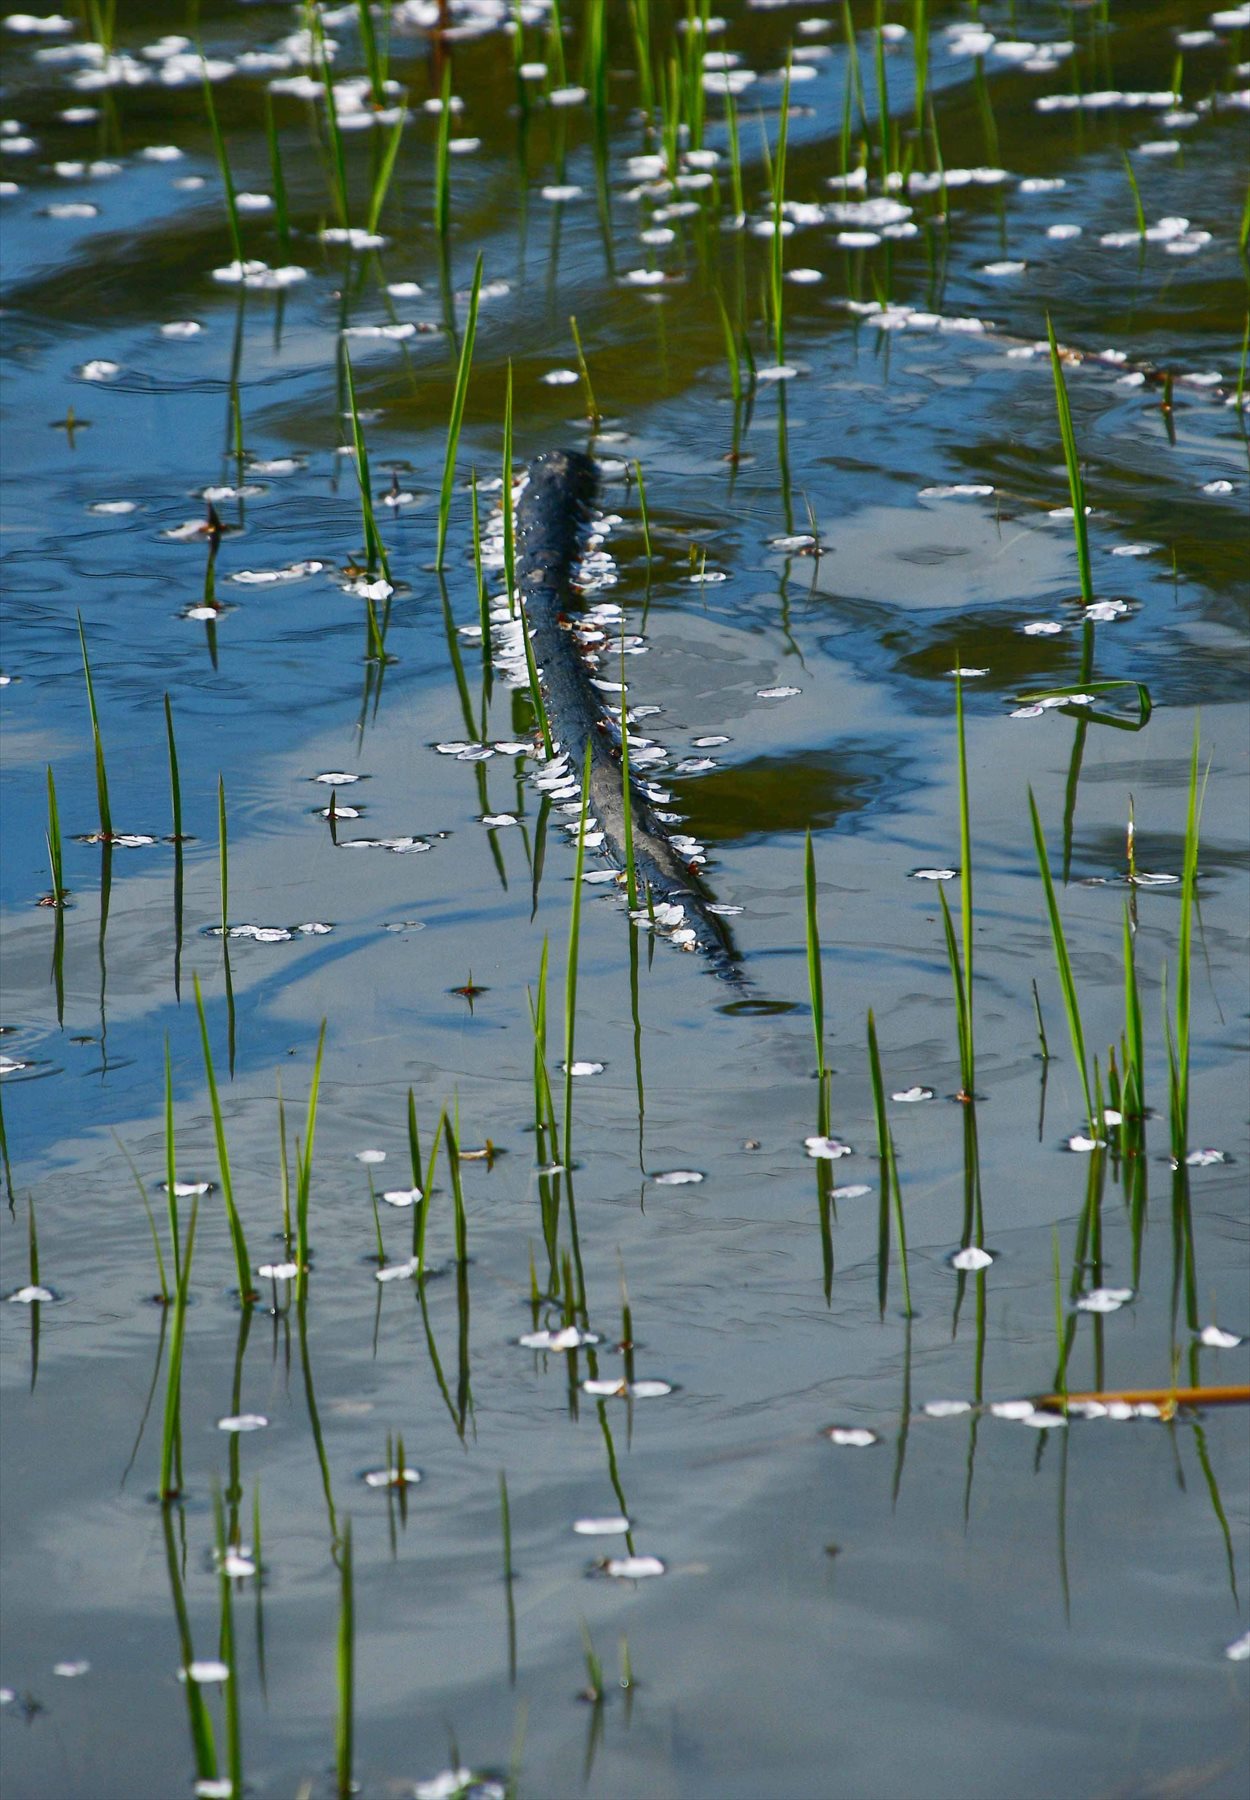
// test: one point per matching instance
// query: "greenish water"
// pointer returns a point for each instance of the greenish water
(969, 1605)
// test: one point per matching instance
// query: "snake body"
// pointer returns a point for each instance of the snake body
(553, 518)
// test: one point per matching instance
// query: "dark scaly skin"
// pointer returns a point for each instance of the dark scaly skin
(552, 518)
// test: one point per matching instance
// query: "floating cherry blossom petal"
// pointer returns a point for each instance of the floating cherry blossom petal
(402, 1196)
(237, 1564)
(946, 1409)
(391, 1478)
(280, 1271)
(1103, 1300)
(911, 1095)
(569, 1338)
(30, 1296)
(604, 1527)
(604, 1387)
(1081, 1145)
(1204, 1159)
(583, 1068)
(970, 1259)
(852, 1437)
(1215, 1338)
(243, 1422)
(354, 236)
(631, 1568)
(295, 571)
(69, 1671)
(460, 1784)
(677, 1177)
(400, 1271)
(776, 693)
(1239, 1649)
(826, 1149)
(933, 874)
(958, 491)
(1012, 1409)
(205, 1671)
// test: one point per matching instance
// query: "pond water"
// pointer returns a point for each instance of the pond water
(928, 1603)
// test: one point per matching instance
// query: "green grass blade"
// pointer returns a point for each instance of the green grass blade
(1145, 705)
(147, 1207)
(369, 49)
(592, 408)
(427, 1200)
(1138, 209)
(570, 980)
(505, 499)
(345, 1667)
(386, 169)
(230, 1695)
(241, 1262)
(175, 785)
(960, 987)
(920, 57)
(732, 356)
(777, 257)
(965, 886)
(171, 1164)
(56, 860)
(223, 165)
(1076, 481)
(459, 1221)
(891, 1192)
(414, 1140)
(1067, 981)
(375, 549)
(277, 178)
(223, 864)
(815, 975)
(642, 508)
(101, 774)
(338, 160)
(442, 160)
(1184, 954)
(457, 414)
(171, 1431)
(304, 1157)
(1134, 1035)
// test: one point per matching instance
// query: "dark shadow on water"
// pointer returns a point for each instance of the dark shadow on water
(811, 790)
